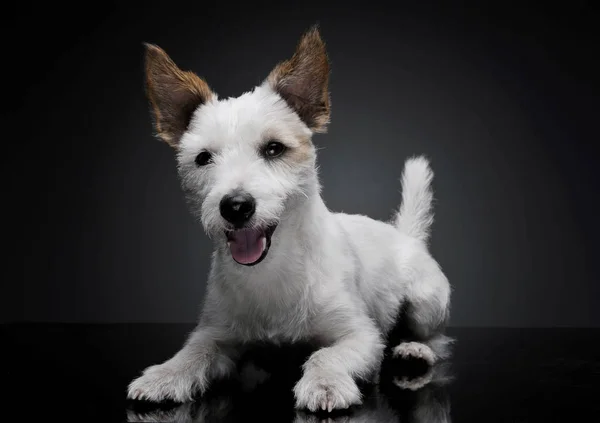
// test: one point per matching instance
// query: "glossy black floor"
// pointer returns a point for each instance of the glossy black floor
(80, 373)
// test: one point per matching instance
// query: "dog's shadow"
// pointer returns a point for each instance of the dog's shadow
(262, 390)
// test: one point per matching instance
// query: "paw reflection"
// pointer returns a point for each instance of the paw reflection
(272, 401)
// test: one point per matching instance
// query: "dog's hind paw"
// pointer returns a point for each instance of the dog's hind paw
(417, 350)
(326, 392)
(162, 383)
(414, 365)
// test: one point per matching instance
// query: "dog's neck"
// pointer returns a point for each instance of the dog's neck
(303, 222)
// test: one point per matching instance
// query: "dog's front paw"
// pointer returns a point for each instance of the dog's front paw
(163, 382)
(326, 391)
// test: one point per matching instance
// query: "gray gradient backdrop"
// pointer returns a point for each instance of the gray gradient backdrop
(503, 100)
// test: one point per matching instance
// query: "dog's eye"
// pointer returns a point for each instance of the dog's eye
(274, 149)
(203, 158)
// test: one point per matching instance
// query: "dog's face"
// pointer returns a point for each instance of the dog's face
(244, 162)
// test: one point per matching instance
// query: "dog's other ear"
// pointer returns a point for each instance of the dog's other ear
(302, 81)
(173, 94)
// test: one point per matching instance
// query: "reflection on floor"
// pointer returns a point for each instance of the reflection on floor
(259, 396)
(81, 372)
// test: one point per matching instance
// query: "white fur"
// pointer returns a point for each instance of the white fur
(415, 217)
(335, 278)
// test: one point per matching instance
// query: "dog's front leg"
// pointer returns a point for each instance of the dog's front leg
(328, 381)
(205, 356)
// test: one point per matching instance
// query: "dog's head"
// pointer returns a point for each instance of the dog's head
(244, 162)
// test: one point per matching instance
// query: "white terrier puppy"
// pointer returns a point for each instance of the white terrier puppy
(284, 267)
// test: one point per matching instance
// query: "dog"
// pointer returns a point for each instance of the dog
(285, 268)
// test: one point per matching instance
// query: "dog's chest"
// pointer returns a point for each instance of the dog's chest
(268, 311)
(275, 320)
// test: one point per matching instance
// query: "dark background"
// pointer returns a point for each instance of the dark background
(503, 99)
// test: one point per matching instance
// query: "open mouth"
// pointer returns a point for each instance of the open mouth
(249, 246)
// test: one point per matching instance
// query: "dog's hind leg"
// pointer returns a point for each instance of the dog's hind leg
(417, 341)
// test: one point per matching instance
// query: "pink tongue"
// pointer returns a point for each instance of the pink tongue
(247, 245)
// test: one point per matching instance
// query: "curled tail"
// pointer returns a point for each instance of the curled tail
(415, 215)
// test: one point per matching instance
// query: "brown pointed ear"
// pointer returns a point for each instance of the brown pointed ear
(302, 81)
(173, 94)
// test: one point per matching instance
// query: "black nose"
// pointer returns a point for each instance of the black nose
(237, 208)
